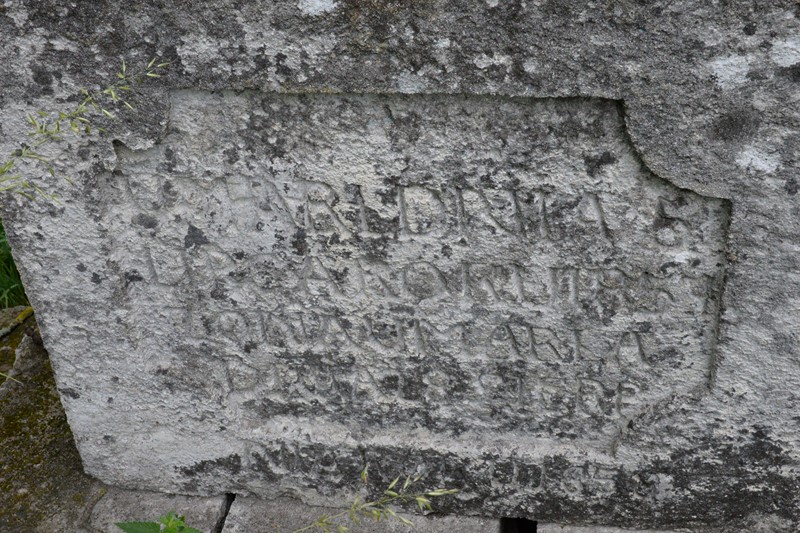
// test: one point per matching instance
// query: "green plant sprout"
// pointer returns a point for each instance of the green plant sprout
(48, 127)
(21, 318)
(12, 293)
(169, 523)
(360, 510)
(381, 509)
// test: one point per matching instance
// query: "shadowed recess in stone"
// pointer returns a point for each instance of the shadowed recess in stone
(401, 269)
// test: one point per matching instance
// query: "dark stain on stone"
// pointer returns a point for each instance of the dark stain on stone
(169, 163)
(262, 466)
(595, 163)
(219, 292)
(299, 242)
(194, 237)
(170, 194)
(96, 278)
(231, 463)
(43, 78)
(791, 186)
(791, 73)
(231, 155)
(280, 65)
(144, 220)
(722, 481)
(81, 267)
(749, 28)
(70, 393)
(249, 346)
(390, 384)
(132, 276)
(735, 125)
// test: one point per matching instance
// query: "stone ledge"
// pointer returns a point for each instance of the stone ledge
(119, 505)
(248, 515)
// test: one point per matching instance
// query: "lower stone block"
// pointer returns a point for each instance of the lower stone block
(248, 515)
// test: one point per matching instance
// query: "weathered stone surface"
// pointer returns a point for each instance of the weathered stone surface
(550, 256)
(535, 282)
(42, 485)
(247, 515)
(555, 528)
(118, 505)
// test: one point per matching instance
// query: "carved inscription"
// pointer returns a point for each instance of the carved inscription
(453, 264)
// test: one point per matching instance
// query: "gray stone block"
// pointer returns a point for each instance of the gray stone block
(555, 528)
(545, 252)
(248, 515)
(119, 505)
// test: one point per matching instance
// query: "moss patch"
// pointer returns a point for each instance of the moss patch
(41, 476)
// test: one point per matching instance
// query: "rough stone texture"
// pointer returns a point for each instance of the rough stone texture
(42, 484)
(614, 343)
(247, 515)
(205, 514)
(43, 488)
(555, 528)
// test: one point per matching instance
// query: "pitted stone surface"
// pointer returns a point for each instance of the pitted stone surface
(614, 342)
(247, 515)
(468, 267)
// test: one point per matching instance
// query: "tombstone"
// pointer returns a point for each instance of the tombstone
(539, 251)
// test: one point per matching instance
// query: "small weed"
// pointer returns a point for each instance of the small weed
(12, 292)
(51, 126)
(383, 508)
(169, 523)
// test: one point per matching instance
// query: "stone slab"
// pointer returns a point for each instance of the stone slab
(555, 528)
(120, 505)
(266, 259)
(273, 516)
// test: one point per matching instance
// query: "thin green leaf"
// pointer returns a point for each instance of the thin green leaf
(441, 492)
(139, 527)
(405, 521)
(423, 502)
(6, 376)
